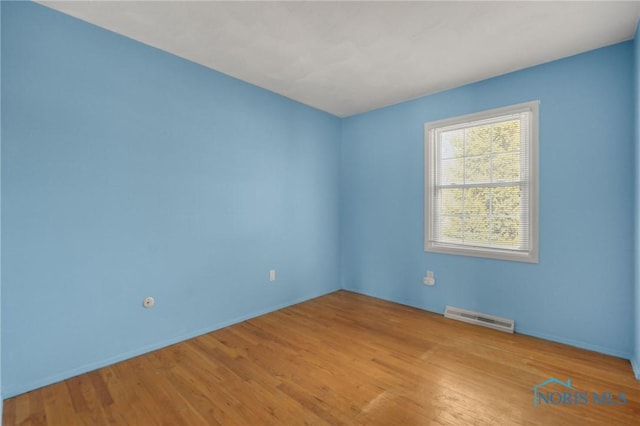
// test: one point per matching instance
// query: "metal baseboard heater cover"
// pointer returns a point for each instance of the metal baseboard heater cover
(497, 323)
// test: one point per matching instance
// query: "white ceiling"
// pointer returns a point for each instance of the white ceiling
(350, 57)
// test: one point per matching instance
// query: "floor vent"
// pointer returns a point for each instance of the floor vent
(497, 323)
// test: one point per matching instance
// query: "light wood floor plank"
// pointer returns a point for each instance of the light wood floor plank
(339, 359)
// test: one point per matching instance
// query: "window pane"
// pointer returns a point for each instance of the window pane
(506, 136)
(476, 230)
(451, 229)
(506, 167)
(477, 201)
(478, 140)
(506, 201)
(451, 201)
(452, 171)
(477, 169)
(505, 232)
(452, 144)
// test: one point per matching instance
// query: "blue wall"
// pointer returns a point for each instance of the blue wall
(128, 172)
(581, 291)
(635, 360)
(1, 400)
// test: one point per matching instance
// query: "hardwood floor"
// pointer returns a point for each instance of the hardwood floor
(344, 359)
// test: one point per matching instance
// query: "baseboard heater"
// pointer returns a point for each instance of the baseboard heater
(497, 323)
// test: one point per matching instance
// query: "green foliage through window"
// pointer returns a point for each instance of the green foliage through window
(482, 154)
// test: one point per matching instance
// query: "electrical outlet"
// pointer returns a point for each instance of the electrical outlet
(272, 275)
(429, 279)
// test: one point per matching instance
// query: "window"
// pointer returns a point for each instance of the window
(481, 184)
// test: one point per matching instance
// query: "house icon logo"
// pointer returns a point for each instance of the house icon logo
(569, 395)
(536, 388)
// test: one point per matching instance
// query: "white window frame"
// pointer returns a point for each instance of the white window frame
(530, 183)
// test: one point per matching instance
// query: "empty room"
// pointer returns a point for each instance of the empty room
(288, 213)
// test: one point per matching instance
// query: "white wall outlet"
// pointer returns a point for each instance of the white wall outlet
(429, 279)
(148, 302)
(272, 275)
